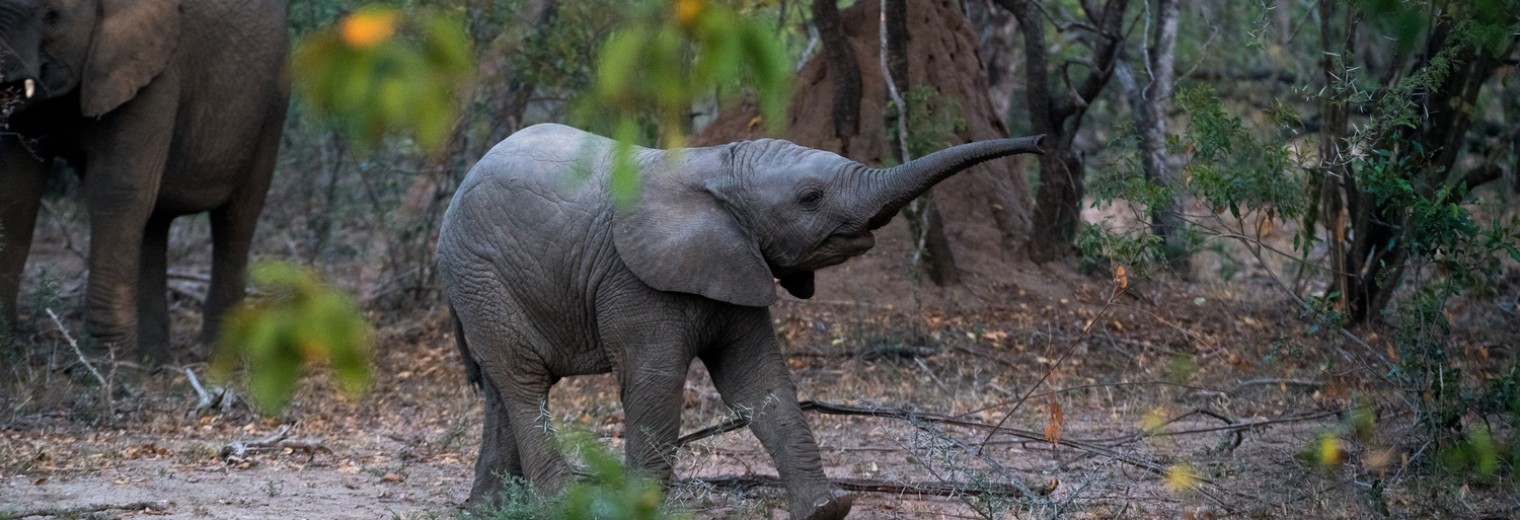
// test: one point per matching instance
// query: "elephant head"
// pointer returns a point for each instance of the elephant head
(724, 221)
(105, 49)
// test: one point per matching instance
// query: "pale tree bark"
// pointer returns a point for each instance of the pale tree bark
(1057, 110)
(932, 251)
(1149, 102)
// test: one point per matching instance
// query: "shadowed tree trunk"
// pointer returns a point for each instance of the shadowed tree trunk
(1370, 236)
(840, 61)
(1057, 111)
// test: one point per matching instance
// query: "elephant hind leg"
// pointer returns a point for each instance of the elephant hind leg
(499, 459)
(153, 288)
(233, 224)
(516, 383)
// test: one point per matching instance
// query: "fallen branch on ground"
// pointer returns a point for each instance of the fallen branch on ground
(938, 489)
(71, 512)
(1279, 382)
(237, 451)
(1090, 447)
(218, 397)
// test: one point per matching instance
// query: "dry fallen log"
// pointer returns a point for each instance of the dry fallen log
(74, 512)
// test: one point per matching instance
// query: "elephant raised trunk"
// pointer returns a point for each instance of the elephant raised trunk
(892, 188)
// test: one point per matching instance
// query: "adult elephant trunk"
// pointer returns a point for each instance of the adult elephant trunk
(885, 191)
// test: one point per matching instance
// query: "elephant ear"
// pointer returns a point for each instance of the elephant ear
(680, 237)
(134, 40)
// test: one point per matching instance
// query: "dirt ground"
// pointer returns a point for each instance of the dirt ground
(406, 449)
(1169, 400)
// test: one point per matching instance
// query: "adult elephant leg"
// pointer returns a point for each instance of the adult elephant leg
(751, 375)
(231, 239)
(153, 289)
(23, 178)
(232, 227)
(124, 165)
(498, 459)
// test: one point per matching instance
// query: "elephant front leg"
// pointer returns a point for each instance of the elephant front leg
(23, 178)
(652, 397)
(116, 234)
(124, 165)
(752, 377)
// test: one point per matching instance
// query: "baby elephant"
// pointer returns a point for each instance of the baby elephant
(547, 276)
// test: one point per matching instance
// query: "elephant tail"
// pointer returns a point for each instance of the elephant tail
(471, 368)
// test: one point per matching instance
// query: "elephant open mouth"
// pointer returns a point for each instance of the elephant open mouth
(836, 249)
(13, 96)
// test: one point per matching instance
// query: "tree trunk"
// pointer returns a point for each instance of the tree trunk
(1149, 103)
(1058, 207)
(840, 61)
(1058, 212)
(932, 248)
(1369, 235)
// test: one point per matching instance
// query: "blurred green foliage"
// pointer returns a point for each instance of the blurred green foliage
(376, 71)
(294, 321)
(608, 490)
(669, 56)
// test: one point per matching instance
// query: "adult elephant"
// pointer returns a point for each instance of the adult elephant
(167, 108)
(547, 277)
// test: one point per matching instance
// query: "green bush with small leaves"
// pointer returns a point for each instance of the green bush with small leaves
(294, 321)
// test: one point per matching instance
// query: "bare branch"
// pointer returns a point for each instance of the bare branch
(939, 489)
(105, 385)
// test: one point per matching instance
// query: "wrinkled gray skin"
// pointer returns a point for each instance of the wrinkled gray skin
(168, 108)
(547, 279)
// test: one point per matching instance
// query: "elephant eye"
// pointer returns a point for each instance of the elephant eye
(50, 17)
(810, 199)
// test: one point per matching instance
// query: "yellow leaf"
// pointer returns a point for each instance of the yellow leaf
(1329, 450)
(1121, 279)
(1180, 477)
(367, 28)
(1153, 420)
(688, 11)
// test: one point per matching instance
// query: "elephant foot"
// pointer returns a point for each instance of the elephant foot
(834, 508)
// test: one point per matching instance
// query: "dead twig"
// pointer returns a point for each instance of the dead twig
(237, 452)
(218, 397)
(1279, 382)
(105, 385)
(71, 512)
(855, 485)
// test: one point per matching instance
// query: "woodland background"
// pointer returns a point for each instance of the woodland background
(1267, 267)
